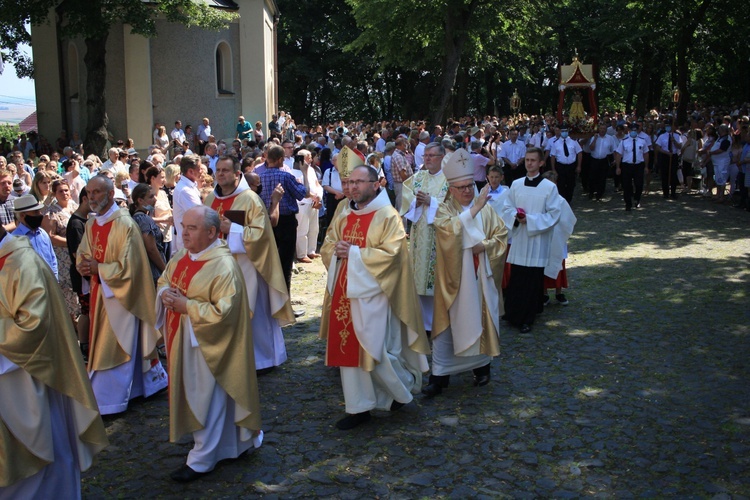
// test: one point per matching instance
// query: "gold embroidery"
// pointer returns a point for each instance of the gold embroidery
(343, 312)
(354, 235)
(98, 248)
(181, 281)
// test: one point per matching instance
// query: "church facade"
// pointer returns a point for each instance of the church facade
(181, 74)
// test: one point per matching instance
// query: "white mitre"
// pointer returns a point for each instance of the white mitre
(459, 167)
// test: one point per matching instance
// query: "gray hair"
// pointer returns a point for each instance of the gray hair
(212, 219)
(389, 147)
(435, 145)
(424, 135)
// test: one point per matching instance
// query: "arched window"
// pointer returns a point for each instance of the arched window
(224, 79)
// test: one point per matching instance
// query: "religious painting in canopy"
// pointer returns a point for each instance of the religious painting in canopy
(579, 79)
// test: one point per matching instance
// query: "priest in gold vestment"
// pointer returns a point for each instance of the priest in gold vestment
(371, 317)
(123, 363)
(471, 244)
(202, 308)
(422, 194)
(253, 245)
(50, 428)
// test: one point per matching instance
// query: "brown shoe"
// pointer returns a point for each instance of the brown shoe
(305, 260)
(313, 255)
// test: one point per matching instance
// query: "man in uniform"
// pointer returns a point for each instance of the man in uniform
(371, 317)
(254, 247)
(566, 156)
(469, 272)
(50, 428)
(202, 308)
(123, 363)
(631, 158)
(422, 194)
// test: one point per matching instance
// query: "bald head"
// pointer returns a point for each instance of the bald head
(101, 191)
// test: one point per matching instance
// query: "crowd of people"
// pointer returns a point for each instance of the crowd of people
(434, 238)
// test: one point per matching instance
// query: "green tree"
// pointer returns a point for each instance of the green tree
(92, 20)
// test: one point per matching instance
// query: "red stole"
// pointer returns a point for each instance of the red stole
(343, 346)
(99, 241)
(183, 274)
(221, 206)
(2, 261)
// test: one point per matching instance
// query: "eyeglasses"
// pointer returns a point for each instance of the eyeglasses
(467, 187)
(431, 156)
(359, 183)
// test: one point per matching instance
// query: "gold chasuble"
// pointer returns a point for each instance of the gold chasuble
(343, 346)
(36, 334)
(448, 233)
(219, 315)
(260, 246)
(422, 246)
(384, 254)
(117, 246)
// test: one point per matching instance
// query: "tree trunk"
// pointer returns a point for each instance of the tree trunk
(456, 18)
(644, 81)
(631, 90)
(96, 95)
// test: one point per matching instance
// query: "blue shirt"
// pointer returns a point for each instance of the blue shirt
(41, 243)
(293, 190)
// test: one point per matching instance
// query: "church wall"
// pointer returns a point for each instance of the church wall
(183, 69)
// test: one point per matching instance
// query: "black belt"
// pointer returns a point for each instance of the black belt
(566, 164)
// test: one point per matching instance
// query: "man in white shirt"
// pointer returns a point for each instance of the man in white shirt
(177, 135)
(288, 154)
(424, 138)
(513, 153)
(186, 193)
(668, 146)
(212, 151)
(204, 131)
(602, 146)
(113, 164)
(566, 156)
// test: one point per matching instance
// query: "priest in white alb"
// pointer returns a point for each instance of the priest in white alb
(250, 239)
(371, 316)
(471, 243)
(50, 428)
(422, 194)
(123, 363)
(202, 308)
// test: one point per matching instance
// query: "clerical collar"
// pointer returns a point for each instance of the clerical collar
(196, 256)
(533, 181)
(102, 219)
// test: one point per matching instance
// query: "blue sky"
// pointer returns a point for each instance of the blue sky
(13, 89)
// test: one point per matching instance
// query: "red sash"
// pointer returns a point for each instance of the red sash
(2, 261)
(183, 274)
(99, 241)
(343, 346)
(222, 206)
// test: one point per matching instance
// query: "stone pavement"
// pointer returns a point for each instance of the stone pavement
(639, 388)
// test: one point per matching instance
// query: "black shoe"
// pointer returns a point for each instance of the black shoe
(628, 209)
(395, 406)
(353, 420)
(299, 312)
(435, 385)
(561, 299)
(264, 371)
(638, 204)
(525, 328)
(482, 375)
(185, 474)
(674, 196)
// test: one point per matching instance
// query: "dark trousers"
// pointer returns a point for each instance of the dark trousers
(285, 234)
(668, 171)
(586, 172)
(566, 180)
(525, 294)
(598, 177)
(632, 182)
(511, 174)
